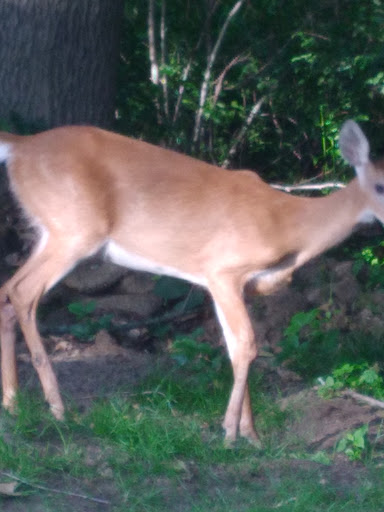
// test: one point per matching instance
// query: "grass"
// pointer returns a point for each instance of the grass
(161, 449)
(161, 463)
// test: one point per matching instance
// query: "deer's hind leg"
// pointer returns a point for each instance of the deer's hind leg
(19, 298)
(8, 351)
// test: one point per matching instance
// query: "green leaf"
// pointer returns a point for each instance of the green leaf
(82, 309)
(369, 376)
(169, 288)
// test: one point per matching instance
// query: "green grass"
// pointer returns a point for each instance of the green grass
(161, 449)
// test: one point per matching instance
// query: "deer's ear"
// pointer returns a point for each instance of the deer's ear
(354, 145)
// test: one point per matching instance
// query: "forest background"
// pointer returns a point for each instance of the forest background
(264, 85)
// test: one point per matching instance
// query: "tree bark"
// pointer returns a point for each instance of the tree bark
(58, 61)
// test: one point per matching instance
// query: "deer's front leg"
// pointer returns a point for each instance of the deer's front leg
(239, 337)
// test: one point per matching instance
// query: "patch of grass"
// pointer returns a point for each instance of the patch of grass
(151, 435)
(161, 449)
(34, 435)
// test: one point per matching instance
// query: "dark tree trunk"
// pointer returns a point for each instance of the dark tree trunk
(58, 61)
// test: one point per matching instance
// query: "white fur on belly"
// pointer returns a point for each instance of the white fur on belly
(120, 256)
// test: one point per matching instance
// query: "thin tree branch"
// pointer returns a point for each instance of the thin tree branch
(163, 78)
(239, 138)
(56, 491)
(363, 398)
(208, 71)
(152, 54)
(220, 79)
(152, 44)
(320, 186)
(188, 67)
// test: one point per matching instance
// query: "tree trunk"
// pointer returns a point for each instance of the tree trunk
(58, 62)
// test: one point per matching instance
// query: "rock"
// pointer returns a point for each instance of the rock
(377, 298)
(136, 282)
(317, 296)
(346, 291)
(128, 304)
(93, 276)
(343, 269)
(105, 345)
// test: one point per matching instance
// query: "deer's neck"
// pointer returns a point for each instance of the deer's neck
(328, 220)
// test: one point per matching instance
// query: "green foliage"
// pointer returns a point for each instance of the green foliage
(313, 347)
(180, 294)
(358, 376)
(314, 68)
(370, 257)
(204, 369)
(86, 326)
(82, 310)
(354, 444)
(307, 346)
(200, 357)
(169, 288)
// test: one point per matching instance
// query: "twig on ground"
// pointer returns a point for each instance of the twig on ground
(53, 490)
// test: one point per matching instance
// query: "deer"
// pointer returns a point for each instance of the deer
(86, 190)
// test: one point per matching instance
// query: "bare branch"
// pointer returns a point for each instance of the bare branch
(317, 36)
(363, 398)
(208, 70)
(163, 78)
(188, 67)
(53, 490)
(151, 42)
(152, 55)
(220, 79)
(254, 111)
(319, 186)
(181, 90)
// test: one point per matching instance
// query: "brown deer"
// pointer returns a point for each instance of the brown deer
(148, 208)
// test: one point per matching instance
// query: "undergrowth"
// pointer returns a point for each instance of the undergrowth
(312, 347)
